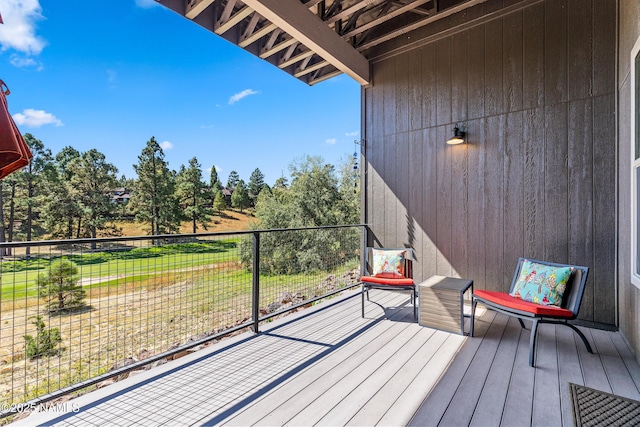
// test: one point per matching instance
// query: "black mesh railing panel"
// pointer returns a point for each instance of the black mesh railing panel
(76, 313)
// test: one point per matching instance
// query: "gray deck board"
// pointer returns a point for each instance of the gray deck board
(492, 399)
(461, 409)
(621, 382)
(546, 392)
(329, 366)
(421, 366)
(593, 372)
(519, 403)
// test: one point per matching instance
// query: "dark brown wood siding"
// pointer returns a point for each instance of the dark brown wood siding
(629, 295)
(534, 88)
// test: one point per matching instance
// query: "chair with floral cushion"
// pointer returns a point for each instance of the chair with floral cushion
(542, 292)
(391, 270)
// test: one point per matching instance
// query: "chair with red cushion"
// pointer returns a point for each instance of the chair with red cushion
(390, 269)
(505, 303)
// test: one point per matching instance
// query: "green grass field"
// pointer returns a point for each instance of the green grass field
(19, 277)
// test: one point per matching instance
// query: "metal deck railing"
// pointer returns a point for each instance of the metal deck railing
(79, 314)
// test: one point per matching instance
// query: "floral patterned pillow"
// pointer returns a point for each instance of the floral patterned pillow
(542, 284)
(388, 263)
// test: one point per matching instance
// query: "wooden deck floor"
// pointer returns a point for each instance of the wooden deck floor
(328, 366)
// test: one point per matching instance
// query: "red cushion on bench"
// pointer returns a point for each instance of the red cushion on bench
(386, 281)
(506, 300)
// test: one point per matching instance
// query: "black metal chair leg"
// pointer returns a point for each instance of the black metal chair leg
(532, 341)
(581, 335)
(362, 297)
(473, 316)
(521, 323)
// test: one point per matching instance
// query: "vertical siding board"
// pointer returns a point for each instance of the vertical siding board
(429, 85)
(604, 37)
(533, 58)
(475, 65)
(556, 184)
(375, 150)
(459, 209)
(494, 100)
(459, 76)
(388, 73)
(580, 224)
(367, 170)
(555, 49)
(444, 202)
(534, 181)
(390, 199)
(443, 84)
(513, 58)
(402, 93)
(579, 49)
(415, 89)
(494, 201)
(377, 109)
(604, 199)
(377, 183)
(401, 189)
(416, 172)
(476, 160)
(513, 194)
(430, 202)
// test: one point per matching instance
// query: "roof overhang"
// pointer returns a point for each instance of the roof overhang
(314, 40)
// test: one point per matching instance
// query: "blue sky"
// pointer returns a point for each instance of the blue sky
(111, 74)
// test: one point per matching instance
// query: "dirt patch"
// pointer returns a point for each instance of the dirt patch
(231, 220)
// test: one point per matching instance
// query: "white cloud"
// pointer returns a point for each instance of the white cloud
(18, 31)
(23, 62)
(35, 118)
(331, 141)
(146, 4)
(356, 133)
(238, 96)
(166, 145)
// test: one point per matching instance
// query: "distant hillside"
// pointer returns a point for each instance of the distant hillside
(232, 221)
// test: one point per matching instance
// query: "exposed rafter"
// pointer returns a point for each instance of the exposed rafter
(294, 18)
(314, 40)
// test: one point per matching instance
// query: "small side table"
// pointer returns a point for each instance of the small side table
(442, 303)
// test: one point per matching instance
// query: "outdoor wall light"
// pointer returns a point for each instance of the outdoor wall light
(458, 136)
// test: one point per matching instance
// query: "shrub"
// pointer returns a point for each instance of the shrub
(46, 342)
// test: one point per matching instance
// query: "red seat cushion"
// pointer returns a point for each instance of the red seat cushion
(506, 300)
(386, 281)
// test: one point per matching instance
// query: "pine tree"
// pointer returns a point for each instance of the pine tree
(233, 179)
(30, 186)
(219, 203)
(240, 197)
(256, 183)
(91, 181)
(191, 193)
(59, 285)
(214, 181)
(153, 199)
(45, 343)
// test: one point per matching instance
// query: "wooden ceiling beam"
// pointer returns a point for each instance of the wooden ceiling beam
(295, 18)
(246, 41)
(197, 7)
(223, 27)
(351, 10)
(385, 17)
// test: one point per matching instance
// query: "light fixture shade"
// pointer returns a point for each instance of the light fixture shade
(458, 137)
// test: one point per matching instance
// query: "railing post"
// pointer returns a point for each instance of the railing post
(255, 282)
